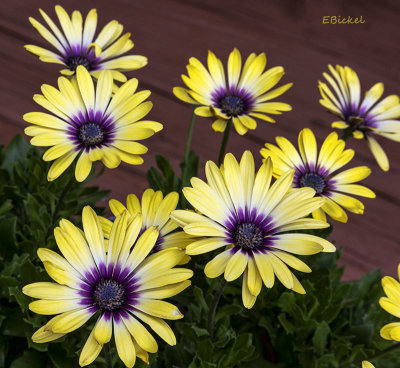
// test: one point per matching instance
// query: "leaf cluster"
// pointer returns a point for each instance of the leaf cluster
(30, 209)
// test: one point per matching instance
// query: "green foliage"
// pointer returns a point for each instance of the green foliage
(336, 324)
(30, 209)
(165, 179)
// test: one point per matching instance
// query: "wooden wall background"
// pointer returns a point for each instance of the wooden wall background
(291, 32)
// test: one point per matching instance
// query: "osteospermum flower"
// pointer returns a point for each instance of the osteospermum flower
(391, 304)
(155, 211)
(320, 172)
(244, 94)
(249, 218)
(75, 45)
(123, 287)
(90, 123)
(365, 118)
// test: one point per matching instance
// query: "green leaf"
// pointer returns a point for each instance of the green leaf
(31, 359)
(57, 356)
(22, 300)
(16, 151)
(228, 310)
(288, 326)
(320, 338)
(200, 332)
(7, 236)
(199, 297)
(155, 179)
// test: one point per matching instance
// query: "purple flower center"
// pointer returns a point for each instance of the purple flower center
(91, 134)
(108, 295)
(248, 236)
(232, 105)
(314, 181)
(74, 61)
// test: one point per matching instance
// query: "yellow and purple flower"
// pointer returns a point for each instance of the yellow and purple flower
(243, 95)
(91, 123)
(364, 119)
(75, 45)
(319, 171)
(124, 286)
(254, 223)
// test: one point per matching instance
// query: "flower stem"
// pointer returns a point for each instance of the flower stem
(187, 149)
(224, 142)
(66, 189)
(385, 351)
(347, 133)
(213, 307)
(108, 355)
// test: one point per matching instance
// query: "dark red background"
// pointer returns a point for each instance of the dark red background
(291, 33)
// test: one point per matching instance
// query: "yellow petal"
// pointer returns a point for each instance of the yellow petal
(140, 333)
(70, 321)
(217, 265)
(90, 351)
(159, 326)
(265, 269)
(159, 308)
(379, 153)
(103, 329)
(205, 245)
(125, 347)
(43, 335)
(236, 266)
(247, 297)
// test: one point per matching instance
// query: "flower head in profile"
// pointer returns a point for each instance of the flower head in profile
(155, 210)
(124, 288)
(391, 304)
(249, 219)
(241, 94)
(319, 171)
(363, 118)
(90, 123)
(75, 45)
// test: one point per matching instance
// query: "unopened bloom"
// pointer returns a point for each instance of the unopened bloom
(155, 210)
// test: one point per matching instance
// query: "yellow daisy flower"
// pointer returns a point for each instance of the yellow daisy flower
(391, 304)
(91, 123)
(366, 364)
(363, 119)
(242, 96)
(319, 171)
(75, 45)
(156, 212)
(124, 286)
(250, 219)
